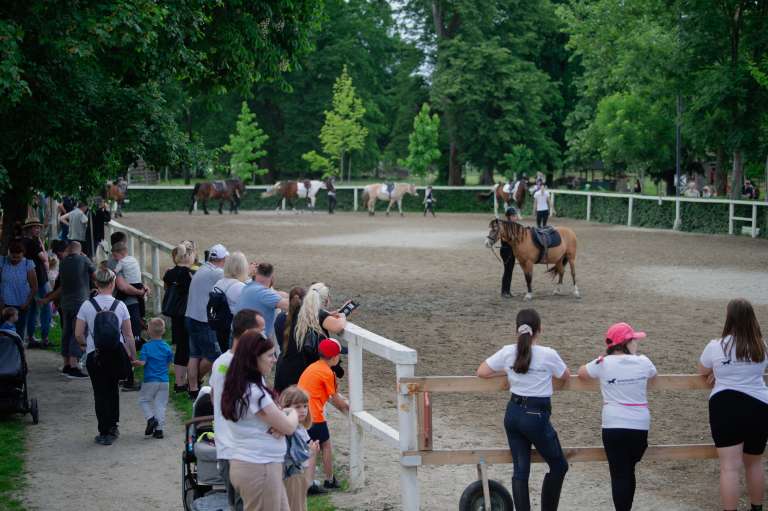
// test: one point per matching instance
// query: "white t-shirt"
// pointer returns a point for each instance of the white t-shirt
(250, 440)
(128, 268)
(232, 289)
(623, 382)
(541, 197)
(224, 441)
(730, 374)
(88, 314)
(537, 382)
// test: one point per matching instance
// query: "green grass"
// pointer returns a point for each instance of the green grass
(11, 463)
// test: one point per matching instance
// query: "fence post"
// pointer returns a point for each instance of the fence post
(354, 199)
(130, 244)
(282, 206)
(356, 462)
(730, 218)
(406, 414)
(157, 298)
(629, 213)
(589, 207)
(142, 255)
(678, 220)
(754, 220)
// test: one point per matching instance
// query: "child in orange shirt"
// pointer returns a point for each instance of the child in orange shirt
(319, 382)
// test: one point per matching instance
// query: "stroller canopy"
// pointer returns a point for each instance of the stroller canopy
(11, 354)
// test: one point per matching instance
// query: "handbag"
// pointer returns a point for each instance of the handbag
(174, 302)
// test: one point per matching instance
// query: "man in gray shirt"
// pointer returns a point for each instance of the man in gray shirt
(203, 346)
(77, 220)
(75, 273)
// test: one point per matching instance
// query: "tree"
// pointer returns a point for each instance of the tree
(84, 84)
(245, 146)
(342, 131)
(423, 148)
(518, 161)
(319, 163)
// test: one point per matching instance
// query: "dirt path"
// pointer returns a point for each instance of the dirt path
(66, 470)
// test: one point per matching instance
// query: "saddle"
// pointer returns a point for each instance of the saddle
(219, 186)
(545, 238)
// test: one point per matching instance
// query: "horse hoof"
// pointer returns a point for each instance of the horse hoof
(528, 297)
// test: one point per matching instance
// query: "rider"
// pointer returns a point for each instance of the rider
(329, 184)
(507, 256)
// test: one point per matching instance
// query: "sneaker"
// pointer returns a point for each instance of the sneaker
(333, 484)
(65, 370)
(131, 388)
(316, 489)
(151, 426)
(158, 433)
(103, 440)
(76, 374)
(114, 432)
(180, 389)
(506, 295)
(193, 394)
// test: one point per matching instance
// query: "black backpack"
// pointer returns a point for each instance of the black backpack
(106, 327)
(219, 314)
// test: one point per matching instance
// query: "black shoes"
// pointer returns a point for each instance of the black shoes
(332, 484)
(179, 389)
(520, 495)
(158, 433)
(193, 394)
(114, 432)
(76, 374)
(151, 426)
(550, 492)
(316, 490)
(131, 387)
(103, 440)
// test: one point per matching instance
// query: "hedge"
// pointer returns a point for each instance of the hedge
(696, 216)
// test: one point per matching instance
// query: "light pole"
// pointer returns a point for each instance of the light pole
(678, 123)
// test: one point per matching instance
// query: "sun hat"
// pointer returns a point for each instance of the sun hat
(218, 251)
(330, 347)
(620, 333)
(31, 222)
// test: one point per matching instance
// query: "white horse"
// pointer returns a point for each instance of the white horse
(290, 190)
(380, 191)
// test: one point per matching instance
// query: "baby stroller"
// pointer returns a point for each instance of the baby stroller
(202, 487)
(14, 392)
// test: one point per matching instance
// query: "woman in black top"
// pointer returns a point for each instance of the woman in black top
(179, 277)
(292, 362)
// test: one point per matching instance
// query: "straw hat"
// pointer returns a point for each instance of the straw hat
(31, 222)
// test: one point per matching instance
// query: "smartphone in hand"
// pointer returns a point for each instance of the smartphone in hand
(349, 307)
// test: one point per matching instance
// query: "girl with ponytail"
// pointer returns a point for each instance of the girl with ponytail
(315, 320)
(530, 369)
(291, 363)
(177, 280)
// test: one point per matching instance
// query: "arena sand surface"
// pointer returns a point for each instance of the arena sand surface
(430, 284)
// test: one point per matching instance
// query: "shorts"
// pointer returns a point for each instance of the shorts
(202, 340)
(319, 431)
(736, 418)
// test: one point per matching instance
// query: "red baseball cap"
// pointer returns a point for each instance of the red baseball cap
(330, 347)
(620, 333)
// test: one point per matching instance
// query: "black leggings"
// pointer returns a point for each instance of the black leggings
(624, 449)
(181, 340)
(541, 218)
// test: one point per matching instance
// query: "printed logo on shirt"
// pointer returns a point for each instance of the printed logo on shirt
(611, 381)
(726, 362)
(531, 370)
(625, 381)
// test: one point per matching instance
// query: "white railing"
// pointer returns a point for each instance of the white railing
(138, 243)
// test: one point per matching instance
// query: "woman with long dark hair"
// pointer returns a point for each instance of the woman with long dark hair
(530, 369)
(291, 362)
(738, 404)
(256, 425)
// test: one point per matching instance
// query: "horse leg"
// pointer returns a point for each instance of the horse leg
(560, 270)
(400, 206)
(205, 206)
(389, 206)
(572, 264)
(528, 272)
(192, 205)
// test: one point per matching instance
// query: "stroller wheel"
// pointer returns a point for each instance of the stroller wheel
(33, 411)
(187, 485)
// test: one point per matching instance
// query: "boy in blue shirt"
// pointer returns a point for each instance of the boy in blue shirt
(10, 317)
(155, 356)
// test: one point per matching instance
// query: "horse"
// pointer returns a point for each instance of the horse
(231, 190)
(380, 191)
(506, 196)
(289, 190)
(115, 194)
(528, 253)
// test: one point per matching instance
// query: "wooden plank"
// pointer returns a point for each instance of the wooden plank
(378, 345)
(380, 430)
(573, 454)
(499, 383)
(424, 421)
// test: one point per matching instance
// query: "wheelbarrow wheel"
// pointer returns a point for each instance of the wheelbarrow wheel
(472, 498)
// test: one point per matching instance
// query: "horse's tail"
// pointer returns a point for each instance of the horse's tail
(483, 197)
(553, 271)
(195, 190)
(364, 198)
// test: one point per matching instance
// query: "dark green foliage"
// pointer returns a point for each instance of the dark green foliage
(609, 210)
(651, 213)
(571, 206)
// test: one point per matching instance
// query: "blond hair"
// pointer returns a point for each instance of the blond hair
(156, 328)
(292, 396)
(183, 254)
(236, 267)
(104, 277)
(309, 318)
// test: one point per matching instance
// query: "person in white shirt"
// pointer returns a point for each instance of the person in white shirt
(624, 377)
(232, 284)
(738, 404)
(245, 320)
(542, 201)
(530, 370)
(257, 426)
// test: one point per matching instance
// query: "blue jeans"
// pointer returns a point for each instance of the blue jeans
(45, 315)
(528, 424)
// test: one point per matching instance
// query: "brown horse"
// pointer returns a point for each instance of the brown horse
(505, 197)
(527, 252)
(231, 190)
(292, 190)
(115, 194)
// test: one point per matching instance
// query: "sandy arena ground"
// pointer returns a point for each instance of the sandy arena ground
(430, 284)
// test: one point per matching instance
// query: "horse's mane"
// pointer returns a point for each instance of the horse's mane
(511, 229)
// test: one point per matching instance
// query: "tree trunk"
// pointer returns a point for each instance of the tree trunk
(487, 177)
(721, 176)
(454, 167)
(341, 166)
(188, 118)
(738, 173)
(14, 211)
(766, 179)
(349, 167)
